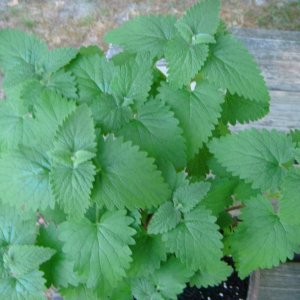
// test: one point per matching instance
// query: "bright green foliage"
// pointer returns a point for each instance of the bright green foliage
(165, 218)
(161, 285)
(144, 34)
(220, 195)
(133, 81)
(259, 157)
(15, 227)
(196, 240)
(22, 259)
(19, 258)
(295, 134)
(13, 115)
(186, 197)
(25, 59)
(94, 75)
(197, 112)
(147, 254)
(17, 48)
(289, 204)
(239, 109)
(73, 172)
(79, 292)
(187, 52)
(109, 115)
(120, 178)
(27, 287)
(225, 70)
(184, 60)
(100, 251)
(202, 17)
(128, 177)
(24, 179)
(217, 272)
(156, 130)
(59, 269)
(49, 113)
(264, 238)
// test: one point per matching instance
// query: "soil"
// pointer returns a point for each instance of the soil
(232, 289)
(84, 22)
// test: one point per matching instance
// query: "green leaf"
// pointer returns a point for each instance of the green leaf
(30, 286)
(289, 204)
(184, 60)
(203, 17)
(133, 80)
(264, 239)
(17, 47)
(62, 82)
(49, 113)
(214, 275)
(25, 58)
(128, 177)
(295, 134)
(24, 179)
(203, 38)
(197, 168)
(72, 174)
(160, 285)
(59, 269)
(18, 75)
(94, 75)
(22, 259)
(147, 255)
(220, 195)
(72, 186)
(144, 34)
(186, 197)
(164, 219)
(58, 58)
(198, 112)
(244, 191)
(79, 292)
(109, 114)
(13, 115)
(258, 157)
(90, 50)
(238, 109)
(232, 67)
(100, 250)
(15, 228)
(156, 131)
(196, 241)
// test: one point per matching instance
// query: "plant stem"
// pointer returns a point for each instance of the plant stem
(235, 207)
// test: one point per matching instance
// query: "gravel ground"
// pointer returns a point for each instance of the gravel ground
(82, 22)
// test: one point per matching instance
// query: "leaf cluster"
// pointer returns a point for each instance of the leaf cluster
(118, 177)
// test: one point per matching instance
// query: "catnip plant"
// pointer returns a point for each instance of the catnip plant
(119, 181)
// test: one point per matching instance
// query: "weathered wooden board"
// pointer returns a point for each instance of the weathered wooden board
(278, 54)
(281, 283)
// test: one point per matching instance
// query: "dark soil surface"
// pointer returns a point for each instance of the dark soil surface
(232, 289)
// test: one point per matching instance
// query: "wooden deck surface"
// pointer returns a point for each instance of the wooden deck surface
(278, 54)
(281, 283)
